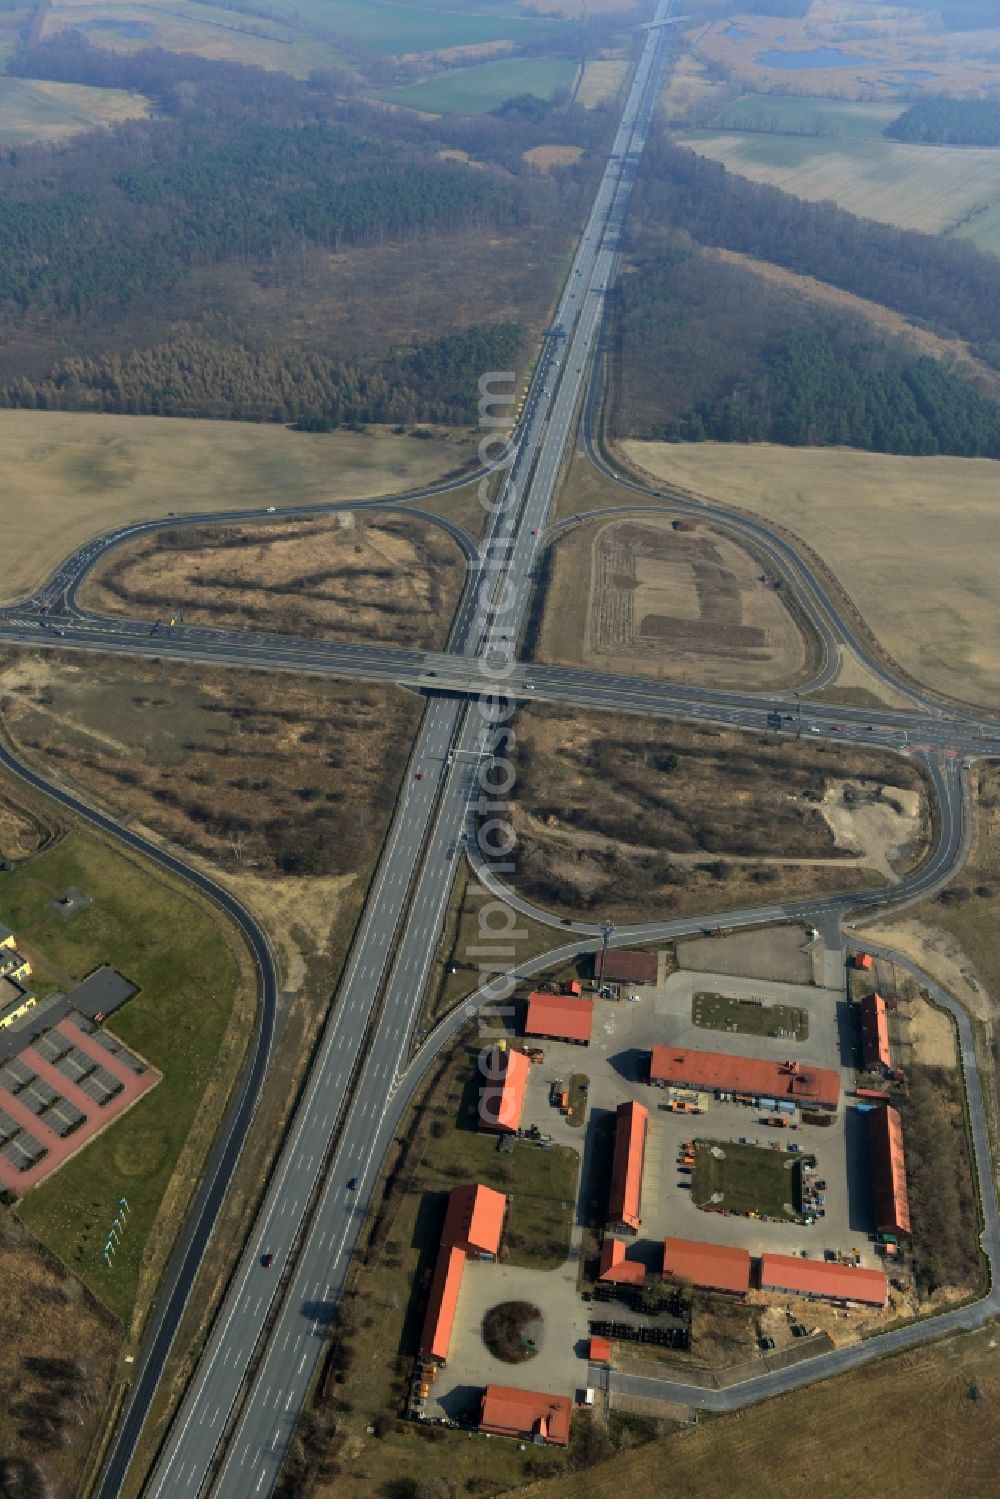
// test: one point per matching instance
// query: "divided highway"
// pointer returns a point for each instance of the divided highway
(232, 1431)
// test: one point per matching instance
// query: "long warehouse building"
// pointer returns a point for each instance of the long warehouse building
(747, 1077)
(892, 1201)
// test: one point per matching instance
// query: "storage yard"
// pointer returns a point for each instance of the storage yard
(719, 1193)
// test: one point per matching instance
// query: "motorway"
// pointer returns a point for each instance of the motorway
(236, 1419)
(335, 1131)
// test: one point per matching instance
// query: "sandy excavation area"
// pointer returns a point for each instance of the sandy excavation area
(668, 599)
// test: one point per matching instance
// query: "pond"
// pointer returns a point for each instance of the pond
(817, 57)
(135, 29)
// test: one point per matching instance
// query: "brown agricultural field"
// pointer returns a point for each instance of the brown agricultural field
(69, 476)
(353, 576)
(669, 599)
(910, 542)
(937, 1436)
(642, 819)
(56, 1365)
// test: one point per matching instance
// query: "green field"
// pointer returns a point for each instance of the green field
(475, 91)
(541, 1184)
(936, 189)
(795, 114)
(171, 946)
(748, 1178)
(408, 26)
(717, 1012)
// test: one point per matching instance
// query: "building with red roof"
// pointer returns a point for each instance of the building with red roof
(501, 1102)
(474, 1220)
(875, 1034)
(528, 1414)
(442, 1299)
(822, 1281)
(473, 1224)
(625, 966)
(600, 1351)
(892, 1201)
(863, 960)
(720, 1072)
(626, 1168)
(615, 1267)
(559, 1017)
(710, 1267)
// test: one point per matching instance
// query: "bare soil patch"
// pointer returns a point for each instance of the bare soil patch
(667, 598)
(637, 818)
(349, 576)
(911, 542)
(547, 157)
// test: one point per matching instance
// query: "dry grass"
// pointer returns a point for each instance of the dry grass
(635, 595)
(641, 819)
(601, 82)
(931, 188)
(32, 110)
(547, 157)
(910, 541)
(28, 823)
(72, 475)
(352, 576)
(931, 1440)
(280, 775)
(56, 1366)
(218, 34)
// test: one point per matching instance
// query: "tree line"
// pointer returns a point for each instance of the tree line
(939, 121)
(436, 381)
(810, 393)
(945, 283)
(708, 348)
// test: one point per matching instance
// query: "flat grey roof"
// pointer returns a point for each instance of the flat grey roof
(105, 991)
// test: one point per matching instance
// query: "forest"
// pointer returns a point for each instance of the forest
(707, 348)
(944, 283)
(939, 121)
(190, 376)
(194, 262)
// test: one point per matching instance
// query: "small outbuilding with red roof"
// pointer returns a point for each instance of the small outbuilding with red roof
(616, 1268)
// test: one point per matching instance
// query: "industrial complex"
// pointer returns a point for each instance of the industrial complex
(766, 1171)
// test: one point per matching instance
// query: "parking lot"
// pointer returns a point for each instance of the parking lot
(615, 1064)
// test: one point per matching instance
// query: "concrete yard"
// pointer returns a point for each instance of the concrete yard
(615, 1064)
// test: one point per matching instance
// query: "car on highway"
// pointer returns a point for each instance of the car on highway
(352, 1185)
(271, 509)
(420, 775)
(267, 1260)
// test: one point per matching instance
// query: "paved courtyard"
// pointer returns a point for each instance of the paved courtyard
(615, 1064)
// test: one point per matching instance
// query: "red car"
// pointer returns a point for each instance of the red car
(267, 1260)
(420, 775)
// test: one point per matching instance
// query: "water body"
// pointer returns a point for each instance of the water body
(135, 29)
(817, 57)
